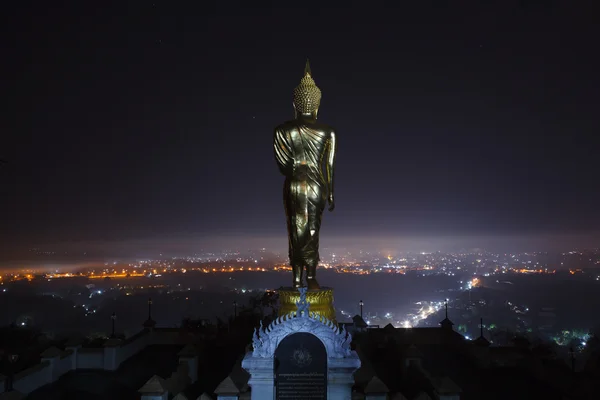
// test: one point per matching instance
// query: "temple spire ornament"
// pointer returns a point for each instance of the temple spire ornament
(303, 305)
(446, 323)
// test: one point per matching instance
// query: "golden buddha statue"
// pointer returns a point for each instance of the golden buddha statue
(303, 148)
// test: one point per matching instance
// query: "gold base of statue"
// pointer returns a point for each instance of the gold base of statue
(321, 301)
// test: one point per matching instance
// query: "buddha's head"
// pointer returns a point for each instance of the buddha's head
(307, 96)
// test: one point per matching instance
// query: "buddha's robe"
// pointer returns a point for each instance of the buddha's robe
(300, 148)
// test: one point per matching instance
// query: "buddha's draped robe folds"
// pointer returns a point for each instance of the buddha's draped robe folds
(300, 148)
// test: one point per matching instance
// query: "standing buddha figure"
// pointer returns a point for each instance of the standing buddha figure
(305, 153)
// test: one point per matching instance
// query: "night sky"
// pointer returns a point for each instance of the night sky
(150, 119)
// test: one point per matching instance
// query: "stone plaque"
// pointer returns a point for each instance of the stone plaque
(301, 368)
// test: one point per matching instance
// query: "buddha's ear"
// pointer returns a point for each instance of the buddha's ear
(315, 113)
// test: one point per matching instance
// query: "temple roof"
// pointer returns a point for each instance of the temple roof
(481, 341)
(359, 322)
(156, 384)
(227, 386)
(417, 336)
(389, 328)
(446, 385)
(149, 323)
(239, 375)
(375, 385)
(363, 375)
(12, 395)
(123, 383)
(422, 396)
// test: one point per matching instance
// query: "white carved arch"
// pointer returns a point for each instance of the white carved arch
(336, 341)
(341, 361)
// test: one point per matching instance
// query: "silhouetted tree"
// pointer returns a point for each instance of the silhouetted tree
(265, 304)
(544, 350)
(593, 343)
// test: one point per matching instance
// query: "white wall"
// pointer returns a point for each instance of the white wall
(192, 364)
(90, 359)
(50, 370)
(32, 378)
(132, 348)
(63, 365)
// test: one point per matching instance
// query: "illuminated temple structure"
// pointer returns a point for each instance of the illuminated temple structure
(302, 351)
(208, 363)
(321, 301)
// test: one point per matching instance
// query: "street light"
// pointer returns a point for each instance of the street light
(446, 305)
(361, 304)
(572, 354)
(235, 309)
(12, 358)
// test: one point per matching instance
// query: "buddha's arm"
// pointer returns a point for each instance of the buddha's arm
(283, 152)
(330, 167)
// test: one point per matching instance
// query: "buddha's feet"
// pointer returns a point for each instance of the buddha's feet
(312, 284)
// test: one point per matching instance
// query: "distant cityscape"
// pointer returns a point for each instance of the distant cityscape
(404, 290)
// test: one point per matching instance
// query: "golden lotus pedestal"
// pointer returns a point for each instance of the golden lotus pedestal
(321, 301)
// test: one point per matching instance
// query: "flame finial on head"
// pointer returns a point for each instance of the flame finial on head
(307, 68)
(307, 96)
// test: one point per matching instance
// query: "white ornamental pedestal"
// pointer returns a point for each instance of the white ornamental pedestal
(342, 362)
